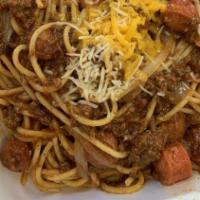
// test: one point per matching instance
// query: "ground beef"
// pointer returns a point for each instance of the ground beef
(24, 13)
(125, 129)
(163, 106)
(24, 60)
(172, 85)
(15, 155)
(167, 81)
(146, 145)
(15, 41)
(195, 62)
(22, 10)
(11, 117)
(54, 68)
(40, 113)
(130, 123)
(146, 148)
(193, 140)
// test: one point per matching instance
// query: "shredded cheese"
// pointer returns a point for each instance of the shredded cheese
(113, 48)
(121, 24)
(94, 81)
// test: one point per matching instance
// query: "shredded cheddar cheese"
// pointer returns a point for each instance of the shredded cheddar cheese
(115, 45)
(123, 26)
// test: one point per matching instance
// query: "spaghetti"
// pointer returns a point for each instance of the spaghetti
(88, 89)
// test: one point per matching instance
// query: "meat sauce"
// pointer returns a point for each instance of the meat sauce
(146, 145)
(22, 10)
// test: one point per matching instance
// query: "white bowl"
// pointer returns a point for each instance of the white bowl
(11, 189)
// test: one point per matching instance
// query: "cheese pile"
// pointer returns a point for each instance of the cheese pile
(125, 23)
(120, 29)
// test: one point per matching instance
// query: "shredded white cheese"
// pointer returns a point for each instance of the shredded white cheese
(93, 82)
(145, 90)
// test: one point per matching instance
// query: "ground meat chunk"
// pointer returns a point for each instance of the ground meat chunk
(193, 140)
(22, 10)
(15, 155)
(123, 128)
(146, 148)
(40, 113)
(163, 106)
(171, 86)
(195, 62)
(129, 124)
(181, 15)
(11, 118)
(171, 83)
(47, 45)
(24, 14)
(55, 68)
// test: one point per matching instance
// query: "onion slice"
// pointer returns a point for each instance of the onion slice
(153, 67)
(5, 24)
(96, 157)
(80, 159)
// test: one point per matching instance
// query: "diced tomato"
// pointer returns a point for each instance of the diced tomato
(174, 165)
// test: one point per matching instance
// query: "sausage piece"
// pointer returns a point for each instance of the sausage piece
(47, 45)
(175, 128)
(15, 155)
(181, 15)
(174, 165)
